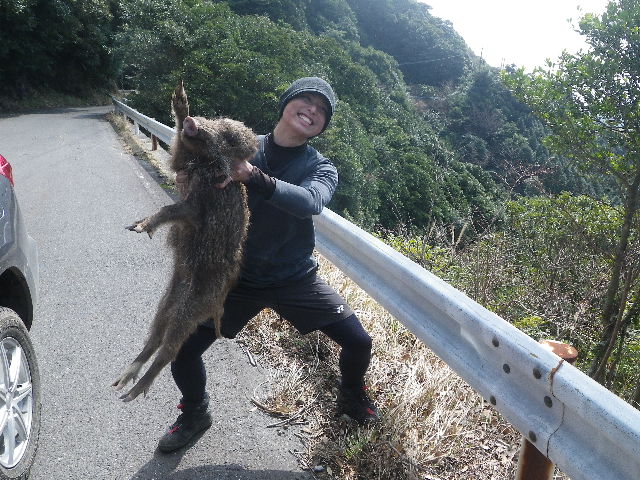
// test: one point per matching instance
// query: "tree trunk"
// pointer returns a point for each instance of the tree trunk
(612, 324)
(613, 368)
(635, 400)
(629, 318)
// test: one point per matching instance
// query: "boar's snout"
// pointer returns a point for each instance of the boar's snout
(190, 127)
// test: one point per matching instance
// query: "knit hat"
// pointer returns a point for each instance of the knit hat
(312, 85)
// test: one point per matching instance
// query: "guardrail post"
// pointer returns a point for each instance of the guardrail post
(136, 128)
(533, 464)
(154, 142)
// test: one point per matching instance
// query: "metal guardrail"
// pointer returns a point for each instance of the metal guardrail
(590, 433)
(157, 129)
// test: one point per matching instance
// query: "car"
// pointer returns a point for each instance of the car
(20, 388)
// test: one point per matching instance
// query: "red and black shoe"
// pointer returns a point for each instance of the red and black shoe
(355, 403)
(195, 418)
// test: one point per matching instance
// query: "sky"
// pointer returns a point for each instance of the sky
(522, 32)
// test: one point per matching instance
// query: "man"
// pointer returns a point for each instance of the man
(287, 182)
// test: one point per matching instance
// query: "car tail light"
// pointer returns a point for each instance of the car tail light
(5, 169)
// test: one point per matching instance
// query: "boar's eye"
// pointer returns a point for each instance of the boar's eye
(231, 138)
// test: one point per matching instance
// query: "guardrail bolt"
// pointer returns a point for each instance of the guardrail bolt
(532, 464)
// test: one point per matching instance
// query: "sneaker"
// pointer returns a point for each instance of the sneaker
(355, 403)
(194, 419)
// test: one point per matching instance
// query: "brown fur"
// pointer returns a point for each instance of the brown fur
(208, 232)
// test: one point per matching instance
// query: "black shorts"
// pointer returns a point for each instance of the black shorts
(308, 304)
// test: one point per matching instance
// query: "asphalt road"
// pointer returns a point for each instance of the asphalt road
(99, 287)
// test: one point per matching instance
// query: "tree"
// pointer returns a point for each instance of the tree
(62, 45)
(427, 48)
(394, 169)
(333, 17)
(290, 11)
(591, 102)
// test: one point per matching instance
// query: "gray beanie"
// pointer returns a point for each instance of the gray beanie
(312, 85)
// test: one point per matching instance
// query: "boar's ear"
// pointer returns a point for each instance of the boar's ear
(190, 127)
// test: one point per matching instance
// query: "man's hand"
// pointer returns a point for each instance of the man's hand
(240, 172)
(182, 182)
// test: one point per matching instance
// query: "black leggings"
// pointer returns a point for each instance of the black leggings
(190, 375)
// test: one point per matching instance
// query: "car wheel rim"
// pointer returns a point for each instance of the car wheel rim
(16, 401)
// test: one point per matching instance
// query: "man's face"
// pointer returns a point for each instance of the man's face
(305, 115)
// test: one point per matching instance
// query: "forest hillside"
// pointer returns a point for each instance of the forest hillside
(426, 131)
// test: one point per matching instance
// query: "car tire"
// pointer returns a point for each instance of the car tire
(20, 398)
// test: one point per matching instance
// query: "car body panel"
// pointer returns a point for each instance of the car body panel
(18, 251)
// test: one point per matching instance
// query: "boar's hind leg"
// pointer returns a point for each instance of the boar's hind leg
(180, 105)
(166, 312)
(182, 325)
(153, 342)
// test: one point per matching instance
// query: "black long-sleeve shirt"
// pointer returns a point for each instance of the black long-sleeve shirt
(291, 185)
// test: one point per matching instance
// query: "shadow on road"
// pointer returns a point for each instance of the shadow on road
(93, 116)
(53, 111)
(163, 467)
(229, 472)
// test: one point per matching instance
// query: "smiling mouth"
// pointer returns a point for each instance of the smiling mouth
(305, 119)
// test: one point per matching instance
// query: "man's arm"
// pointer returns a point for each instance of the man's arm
(303, 201)
(310, 197)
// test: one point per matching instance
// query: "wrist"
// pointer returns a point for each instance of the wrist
(261, 182)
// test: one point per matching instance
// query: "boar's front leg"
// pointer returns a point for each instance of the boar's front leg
(141, 226)
(176, 213)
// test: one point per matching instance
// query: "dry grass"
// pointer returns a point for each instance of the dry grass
(434, 426)
(140, 147)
